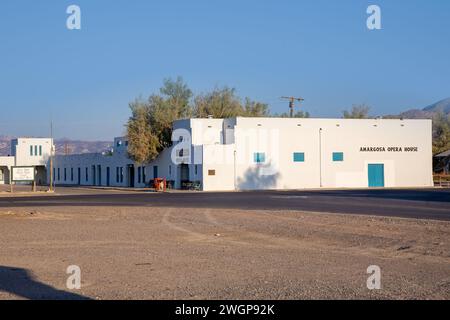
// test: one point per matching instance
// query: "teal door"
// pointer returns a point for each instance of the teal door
(376, 175)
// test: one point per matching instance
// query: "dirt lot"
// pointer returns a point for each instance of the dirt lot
(163, 253)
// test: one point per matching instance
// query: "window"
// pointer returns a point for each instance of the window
(35, 150)
(170, 170)
(31, 150)
(211, 172)
(71, 174)
(59, 175)
(259, 157)
(143, 175)
(65, 174)
(121, 174)
(87, 174)
(196, 169)
(299, 157)
(40, 150)
(117, 174)
(338, 156)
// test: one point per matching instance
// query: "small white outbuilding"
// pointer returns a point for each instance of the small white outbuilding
(27, 152)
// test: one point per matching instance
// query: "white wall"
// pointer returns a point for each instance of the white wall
(402, 169)
(86, 162)
(228, 147)
(220, 160)
(118, 160)
(280, 138)
(7, 161)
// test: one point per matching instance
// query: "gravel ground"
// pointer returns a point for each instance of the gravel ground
(164, 253)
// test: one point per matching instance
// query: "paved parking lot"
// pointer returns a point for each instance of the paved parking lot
(406, 203)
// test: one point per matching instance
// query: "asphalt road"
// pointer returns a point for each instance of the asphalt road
(418, 204)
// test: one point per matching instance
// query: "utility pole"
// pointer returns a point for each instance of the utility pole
(66, 148)
(292, 103)
(11, 182)
(320, 156)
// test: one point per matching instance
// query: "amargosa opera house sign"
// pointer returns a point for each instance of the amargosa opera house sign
(23, 173)
(389, 149)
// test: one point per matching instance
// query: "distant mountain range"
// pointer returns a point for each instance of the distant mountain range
(63, 146)
(442, 106)
(67, 146)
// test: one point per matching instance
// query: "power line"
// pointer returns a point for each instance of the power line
(292, 101)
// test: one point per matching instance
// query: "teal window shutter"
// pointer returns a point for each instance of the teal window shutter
(338, 156)
(259, 157)
(299, 157)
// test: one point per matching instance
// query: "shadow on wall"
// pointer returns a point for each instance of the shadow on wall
(259, 178)
(22, 283)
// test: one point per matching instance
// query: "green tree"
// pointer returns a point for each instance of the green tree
(441, 133)
(357, 112)
(298, 114)
(178, 95)
(255, 109)
(219, 103)
(224, 103)
(143, 144)
(149, 128)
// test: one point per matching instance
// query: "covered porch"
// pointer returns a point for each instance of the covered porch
(4, 175)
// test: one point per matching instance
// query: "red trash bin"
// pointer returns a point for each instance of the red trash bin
(160, 184)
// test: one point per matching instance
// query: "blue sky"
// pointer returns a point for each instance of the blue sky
(321, 50)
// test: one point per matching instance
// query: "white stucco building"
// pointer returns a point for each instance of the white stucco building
(270, 153)
(27, 152)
